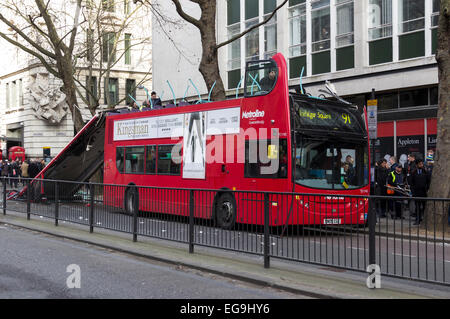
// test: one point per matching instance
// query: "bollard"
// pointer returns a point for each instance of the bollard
(266, 231)
(91, 208)
(191, 221)
(56, 203)
(4, 195)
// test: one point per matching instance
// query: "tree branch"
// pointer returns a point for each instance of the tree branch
(251, 28)
(185, 16)
(33, 53)
(26, 38)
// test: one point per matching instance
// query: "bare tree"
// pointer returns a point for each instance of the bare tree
(206, 24)
(64, 50)
(440, 181)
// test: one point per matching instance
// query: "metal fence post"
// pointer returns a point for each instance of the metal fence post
(266, 231)
(372, 220)
(135, 212)
(191, 221)
(28, 199)
(4, 195)
(91, 207)
(56, 203)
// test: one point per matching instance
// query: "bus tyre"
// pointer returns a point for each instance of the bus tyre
(226, 211)
(131, 200)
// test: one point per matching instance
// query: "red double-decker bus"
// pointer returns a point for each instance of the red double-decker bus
(269, 140)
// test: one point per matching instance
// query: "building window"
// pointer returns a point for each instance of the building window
(108, 47)
(411, 98)
(251, 38)
(412, 22)
(252, 41)
(345, 53)
(13, 94)
(7, 94)
(434, 24)
(19, 84)
(130, 89)
(234, 48)
(111, 91)
(320, 20)
(434, 95)
(380, 19)
(435, 14)
(127, 48)
(126, 6)
(380, 31)
(344, 23)
(270, 29)
(108, 5)
(411, 15)
(234, 57)
(91, 89)
(233, 11)
(297, 38)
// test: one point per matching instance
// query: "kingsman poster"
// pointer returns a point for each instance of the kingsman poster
(194, 145)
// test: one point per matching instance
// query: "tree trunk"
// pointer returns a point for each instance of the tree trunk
(66, 74)
(436, 214)
(209, 65)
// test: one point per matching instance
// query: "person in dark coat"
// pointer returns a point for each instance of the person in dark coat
(33, 169)
(420, 180)
(381, 175)
(410, 166)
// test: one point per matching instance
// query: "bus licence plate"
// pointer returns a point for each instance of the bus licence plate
(332, 221)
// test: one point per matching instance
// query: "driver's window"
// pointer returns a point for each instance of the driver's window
(260, 78)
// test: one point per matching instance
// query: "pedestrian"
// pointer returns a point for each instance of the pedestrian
(410, 166)
(5, 170)
(14, 174)
(381, 174)
(156, 101)
(396, 179)
(393, 163)
(33, 169)
(420, 181)
(24, 169)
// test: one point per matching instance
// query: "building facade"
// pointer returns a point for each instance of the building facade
(33, 111)
(359, 45)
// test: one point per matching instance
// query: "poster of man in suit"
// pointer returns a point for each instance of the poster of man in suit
(194, 145)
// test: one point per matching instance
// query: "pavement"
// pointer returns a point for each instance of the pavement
(316, 281)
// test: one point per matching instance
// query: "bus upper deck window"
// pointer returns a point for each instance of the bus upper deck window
(260, 77)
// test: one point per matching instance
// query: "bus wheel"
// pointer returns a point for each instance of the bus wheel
(131, 200)
(226, 211)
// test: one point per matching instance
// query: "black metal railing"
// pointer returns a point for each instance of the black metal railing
(314, 228)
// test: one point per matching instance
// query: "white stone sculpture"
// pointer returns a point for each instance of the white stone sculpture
(48, 102)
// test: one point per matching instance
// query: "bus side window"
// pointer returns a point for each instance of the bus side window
(166, 165)
(134, 160)
(258, 161)
(119, 159)
(150, 162)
